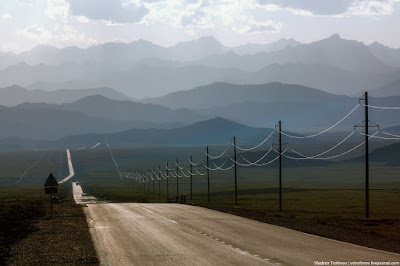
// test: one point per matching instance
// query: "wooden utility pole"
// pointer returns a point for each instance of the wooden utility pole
(159, 181)
(152, 174)
(167, 184)
(148, 183)
(177, 179)
(191, 178)
(280, 165)
(208, 177)
(234, 157)
(366, 158)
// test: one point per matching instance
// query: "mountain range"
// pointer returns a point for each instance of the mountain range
(127, 53)
(14, 95)
(301, 109)
(141, 69)
(96, 113)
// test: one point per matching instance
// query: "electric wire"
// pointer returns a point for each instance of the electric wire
(261, 164)
(319, 133)
(378, 137)
(383, 107)
(325, 152)
(218, 156)
(330, 157)
(31, 167)
(255, 147)
(390, 134)
(257, 161)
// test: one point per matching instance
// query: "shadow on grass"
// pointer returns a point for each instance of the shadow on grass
(17, 221)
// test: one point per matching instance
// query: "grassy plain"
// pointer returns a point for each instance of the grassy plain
(28, 233)
(331, 196)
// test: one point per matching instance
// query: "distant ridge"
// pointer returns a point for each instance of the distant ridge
(14, 95)
(215, 131)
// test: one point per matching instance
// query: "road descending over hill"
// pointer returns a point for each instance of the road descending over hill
(70, 167)
(176, 234)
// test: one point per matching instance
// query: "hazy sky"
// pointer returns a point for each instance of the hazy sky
(27, 23)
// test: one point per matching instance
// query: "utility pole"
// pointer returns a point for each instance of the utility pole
(144, 183)
(367, 137)
(177, 179)
(152, 174)
(159, 181)
(191, 178)
(167, 184)
(366, 158)
(148, 182)
(208, 177)
(280, 165)
(234, 157)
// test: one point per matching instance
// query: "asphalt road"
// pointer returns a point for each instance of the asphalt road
(70, 167)
(176, 234)
(80, 197)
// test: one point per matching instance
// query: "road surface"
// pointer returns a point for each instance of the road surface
(176, 234)
(80, 197)
(71, 168)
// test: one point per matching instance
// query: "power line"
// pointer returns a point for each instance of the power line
(383, 107)
(390, 134)
(326, 130)
(218, 156)
(378, 137)
(262, 164)
(330, 149)
(330, 157)
(257, 161)
(258, 145)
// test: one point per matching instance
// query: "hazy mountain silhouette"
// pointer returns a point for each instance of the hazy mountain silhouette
(386, 54)
(254, 48)
(324, 77)
(387, 155)
(222, 94)
(214, 131)
(146, 81)
(44, 123)
(101, 106)
(127, 53)
(344, 54)
(67, 85)
(391, 89)
(14, 95)
(90, 114)
(301, 108)
(142, 69)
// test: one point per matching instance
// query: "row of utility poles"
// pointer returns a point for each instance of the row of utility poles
(208, 174)
(366, 125)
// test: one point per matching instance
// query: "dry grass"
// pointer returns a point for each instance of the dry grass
(33, 237)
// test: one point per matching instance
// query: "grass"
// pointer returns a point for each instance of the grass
(29, 235)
